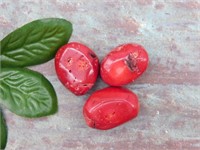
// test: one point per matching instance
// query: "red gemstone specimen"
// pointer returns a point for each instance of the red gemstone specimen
(110, 107)
(77, 67)
(124, 64)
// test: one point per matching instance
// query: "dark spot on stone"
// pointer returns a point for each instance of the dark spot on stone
(131, 63)
(94, 124)
(93, 55)
(69, 61)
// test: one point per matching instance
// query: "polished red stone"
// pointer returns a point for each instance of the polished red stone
(110, 107)
(124, 64)
(77, 67)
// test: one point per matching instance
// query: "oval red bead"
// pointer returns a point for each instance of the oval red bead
(124, 64)
(110, 107)
(77, 67)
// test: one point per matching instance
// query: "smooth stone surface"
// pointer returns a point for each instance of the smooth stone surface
(110, 107)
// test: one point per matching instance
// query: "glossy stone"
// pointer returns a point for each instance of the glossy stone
(110, 107)
(77, 67)
(124, 64)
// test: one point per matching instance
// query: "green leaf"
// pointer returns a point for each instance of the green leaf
(34, 43)
(3, 131)
(27, 93)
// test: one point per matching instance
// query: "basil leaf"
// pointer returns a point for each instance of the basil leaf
(3, 131)
(35, 42)
(27, 93)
